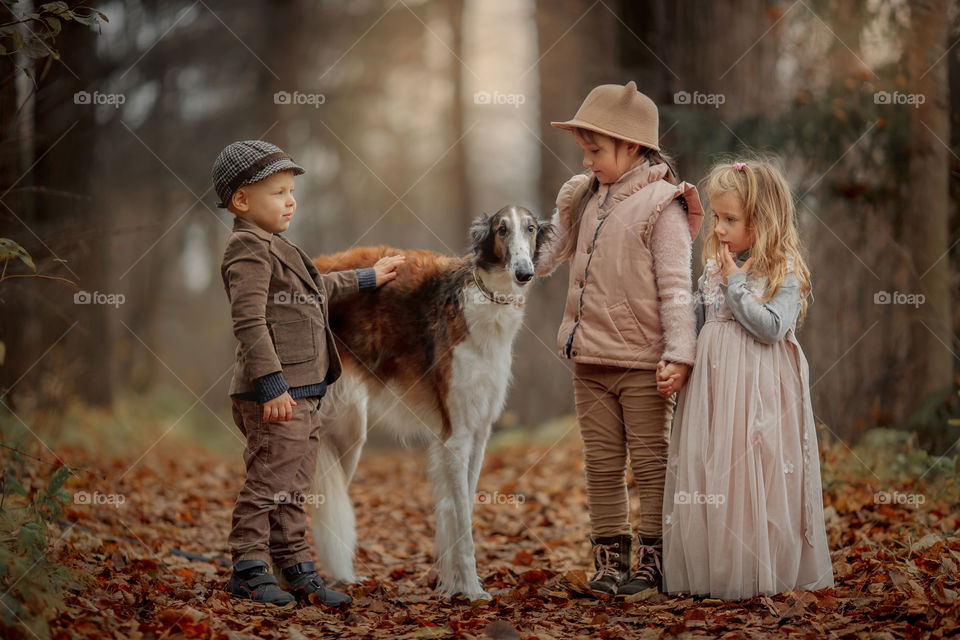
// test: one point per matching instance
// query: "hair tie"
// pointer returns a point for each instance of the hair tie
(739, 165)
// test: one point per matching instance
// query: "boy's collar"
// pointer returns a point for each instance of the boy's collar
(245, 225)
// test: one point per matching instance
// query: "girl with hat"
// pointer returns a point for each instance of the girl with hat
(626, 226)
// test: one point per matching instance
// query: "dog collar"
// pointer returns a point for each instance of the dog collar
(497, 298)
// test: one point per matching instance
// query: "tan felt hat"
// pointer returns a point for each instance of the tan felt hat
(619, 111)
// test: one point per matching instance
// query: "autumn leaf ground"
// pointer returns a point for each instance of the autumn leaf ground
(132, 576)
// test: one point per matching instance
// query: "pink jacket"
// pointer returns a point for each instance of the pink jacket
(624, 307)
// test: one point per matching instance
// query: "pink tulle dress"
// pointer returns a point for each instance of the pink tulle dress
(743, 509)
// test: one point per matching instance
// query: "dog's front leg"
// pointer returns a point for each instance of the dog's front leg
(449, 470)
(476, 461)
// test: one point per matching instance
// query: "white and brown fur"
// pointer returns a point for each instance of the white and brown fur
(428, 355)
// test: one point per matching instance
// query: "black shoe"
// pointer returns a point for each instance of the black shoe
(304, 581)
(649, 573)
(252, 581)
(611, 557)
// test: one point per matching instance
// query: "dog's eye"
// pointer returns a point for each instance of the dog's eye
(531, 228)
(502, 231)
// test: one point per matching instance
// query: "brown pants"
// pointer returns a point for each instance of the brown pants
(269, 520)
(619, 411)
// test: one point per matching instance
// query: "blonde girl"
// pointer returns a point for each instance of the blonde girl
(743, 510)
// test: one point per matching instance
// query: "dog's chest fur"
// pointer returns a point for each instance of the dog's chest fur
(481, 362)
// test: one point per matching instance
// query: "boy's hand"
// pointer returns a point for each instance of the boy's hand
(671, 376)
(280, 409)
(728, 266)
(385, 268)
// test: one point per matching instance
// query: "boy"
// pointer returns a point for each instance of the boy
(285, 360)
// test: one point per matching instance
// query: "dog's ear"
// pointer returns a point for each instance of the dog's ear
(480, 233)
(546, 231)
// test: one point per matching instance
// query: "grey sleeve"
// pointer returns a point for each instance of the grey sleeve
(769, 321)
(699, 305)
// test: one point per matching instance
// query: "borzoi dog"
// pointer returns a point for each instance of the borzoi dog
(429, 355)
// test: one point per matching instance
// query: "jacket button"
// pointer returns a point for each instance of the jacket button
(601, 216)
(589, 249)
(581, 284)
(574, 352)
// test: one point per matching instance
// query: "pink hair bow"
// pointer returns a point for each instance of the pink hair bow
(739, 166)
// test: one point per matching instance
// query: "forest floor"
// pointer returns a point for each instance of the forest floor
(895, 561)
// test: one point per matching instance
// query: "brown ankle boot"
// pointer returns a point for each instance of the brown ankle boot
(649, 573)
(611, 557)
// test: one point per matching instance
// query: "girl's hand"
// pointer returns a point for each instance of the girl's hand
(728, 266)
(280, 409)
(386, 268)
(671, 376)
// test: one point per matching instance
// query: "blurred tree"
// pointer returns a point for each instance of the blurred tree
(577, 42)
(45, 174)
(932, 343)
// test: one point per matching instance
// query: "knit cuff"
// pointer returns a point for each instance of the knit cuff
(367, 278)
(678, 357)
(317, 390)
(270, 386)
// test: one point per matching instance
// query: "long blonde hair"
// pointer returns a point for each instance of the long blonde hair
(764, 193)
(644, 154)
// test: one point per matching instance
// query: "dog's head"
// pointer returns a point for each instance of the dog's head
(510, 239)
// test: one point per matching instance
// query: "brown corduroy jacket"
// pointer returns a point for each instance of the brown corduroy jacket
(278, 302)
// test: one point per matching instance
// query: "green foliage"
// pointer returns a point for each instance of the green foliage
(10, 250)
(33, 34)
(30, 581)
(895, 454)
(937, 419)
(863, 144)
(32, 498)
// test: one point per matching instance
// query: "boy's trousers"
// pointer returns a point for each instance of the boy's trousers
(269, 519)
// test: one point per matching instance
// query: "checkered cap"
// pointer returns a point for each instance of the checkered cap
(246, 162)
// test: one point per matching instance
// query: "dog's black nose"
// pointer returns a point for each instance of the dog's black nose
(524, 276)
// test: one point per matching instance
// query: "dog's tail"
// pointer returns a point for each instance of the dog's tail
(334, 528)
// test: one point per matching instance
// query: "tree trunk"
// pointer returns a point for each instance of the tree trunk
(931, 334)
(459, 153)
(54, 219)
(577, 45)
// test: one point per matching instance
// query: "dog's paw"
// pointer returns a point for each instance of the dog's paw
(477, 596)
(469, 596)
(471, 593)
